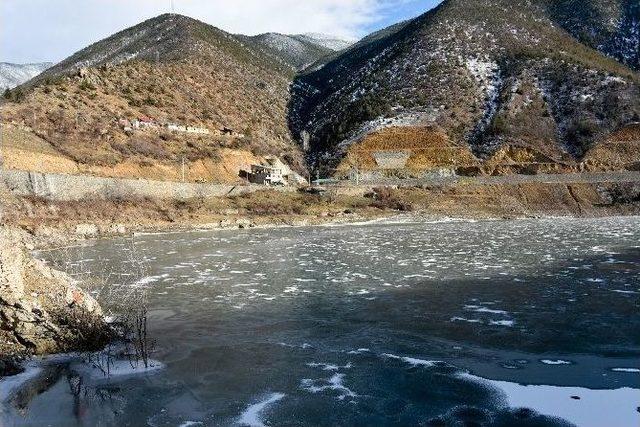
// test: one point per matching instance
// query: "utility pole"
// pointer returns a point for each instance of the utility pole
(1, 170)
(1, 153)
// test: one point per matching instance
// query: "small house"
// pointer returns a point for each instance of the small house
(125, 125)
(175, 127)
(144, 122)
(198, 130)
(266, 175)
(273, 171)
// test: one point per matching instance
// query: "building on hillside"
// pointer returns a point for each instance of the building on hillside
(225, 131)
(273, 171)
(198, 130)
(173, 127)
(266, 175)
(125, 125)
(144, 122)
(147, 123)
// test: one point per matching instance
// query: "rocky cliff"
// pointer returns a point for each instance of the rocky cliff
(42, 310)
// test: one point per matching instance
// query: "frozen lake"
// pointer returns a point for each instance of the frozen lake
(501, 323)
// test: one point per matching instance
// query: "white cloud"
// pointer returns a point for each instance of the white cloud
(53, 29)
(341, 17)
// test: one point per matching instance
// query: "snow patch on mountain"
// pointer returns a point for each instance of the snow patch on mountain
(328, 41)
(12, 75)
(487, 73)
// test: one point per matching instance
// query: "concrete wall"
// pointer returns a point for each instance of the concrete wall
(78, 187)
(391, 159)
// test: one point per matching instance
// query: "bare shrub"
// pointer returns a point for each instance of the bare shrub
(149, 149)
(385, 198)
(125, 306)
(275, 203)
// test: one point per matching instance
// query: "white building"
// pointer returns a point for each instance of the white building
(274, 171)
(266, 175)
(173, 127)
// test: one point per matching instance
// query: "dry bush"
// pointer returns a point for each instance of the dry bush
(125, 304)
(386, 198)
(276, 203)
(147, 148)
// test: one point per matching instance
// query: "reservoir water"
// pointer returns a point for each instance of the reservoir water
(501, 323)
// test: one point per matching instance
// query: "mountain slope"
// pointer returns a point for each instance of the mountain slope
(172, 69)
(488, 72)
(12, 75)
(297, 51)
(610, 26)
(326, 40)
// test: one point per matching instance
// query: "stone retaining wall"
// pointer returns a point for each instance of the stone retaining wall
(77, 187)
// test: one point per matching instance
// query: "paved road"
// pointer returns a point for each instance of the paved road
(572, 178)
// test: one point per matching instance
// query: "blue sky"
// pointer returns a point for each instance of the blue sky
(51, 30)
(400, 12)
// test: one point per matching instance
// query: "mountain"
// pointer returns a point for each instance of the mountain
(327, 40)
(479, 86)
(12, 75)
(610, 26)
(297, 51)
(499, 77)
(169, 69)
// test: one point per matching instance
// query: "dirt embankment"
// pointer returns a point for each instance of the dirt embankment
(24, 150)
(42, 311)
(53, 223)
(526, 199)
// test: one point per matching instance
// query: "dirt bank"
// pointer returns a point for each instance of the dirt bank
(42, 311)
(53, 223)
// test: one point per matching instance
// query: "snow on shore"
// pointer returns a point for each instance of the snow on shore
(581, 406)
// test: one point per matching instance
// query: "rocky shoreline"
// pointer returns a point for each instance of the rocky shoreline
(56, 223)
(42, 311)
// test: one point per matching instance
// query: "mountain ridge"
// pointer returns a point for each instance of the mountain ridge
(510, 84)
(13, 75)
(609, 26)
(298, 50)
(457, 66)
(170, 69)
